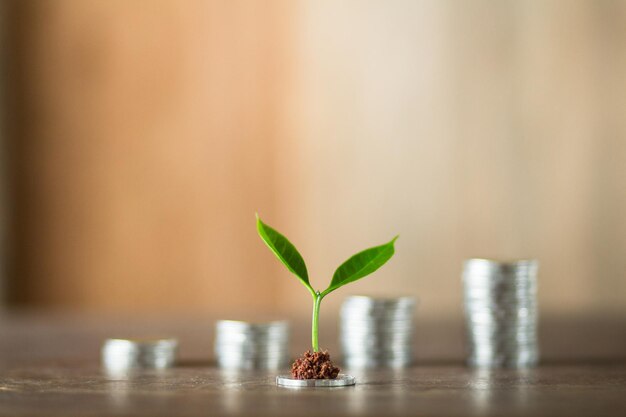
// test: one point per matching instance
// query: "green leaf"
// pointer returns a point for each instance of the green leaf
(285, 251)
(361, 265)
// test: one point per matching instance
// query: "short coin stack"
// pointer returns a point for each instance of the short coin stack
(377, 332)
(127, 354)
(244, 345)
(501, 312)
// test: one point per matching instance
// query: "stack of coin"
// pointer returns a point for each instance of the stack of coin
(501, 312)
(126, 354)
(244, 345)
(377, 332)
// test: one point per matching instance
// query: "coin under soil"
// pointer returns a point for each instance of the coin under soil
(342, 380)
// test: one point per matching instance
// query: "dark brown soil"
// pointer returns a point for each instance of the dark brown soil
(316, 365)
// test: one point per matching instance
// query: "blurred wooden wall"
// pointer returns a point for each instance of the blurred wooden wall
(483, 128)
(142, 146)
(145, 134)
(4, 215)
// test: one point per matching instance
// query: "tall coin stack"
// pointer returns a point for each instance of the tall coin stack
(243, 345)
(501, 313)
(377, 332)
(127, 354)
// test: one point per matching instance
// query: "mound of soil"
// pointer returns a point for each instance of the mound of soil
(314, 365)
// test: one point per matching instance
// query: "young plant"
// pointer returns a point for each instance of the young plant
(356, 267)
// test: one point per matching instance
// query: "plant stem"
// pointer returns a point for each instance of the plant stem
(315, 325)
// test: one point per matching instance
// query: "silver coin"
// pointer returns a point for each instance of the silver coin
(501, 314)
(495, 316)
(503, 323)
(502, 356)
(491, 302)
(502, 327)
(352, 360)
(373, 350)
(355, 321)
(377, 347)
(500, 272)
(369, 363)
(498, 355)
(378, 311)
(252, 365)
(504, 334)
(492, 266)
(346, 323)
(376, 340)
(375, 307)
(527, 278)
(239, 324)
(377, 361)
(122, 354)
(342, 380)
(503, 310)
(377, 332)
(248, 356)
(363, 314)
(248, 345)
(256, 337)
(257, 333)
(384, 301)
(503, 363)
(493, 345)
(349, 348)
(252, 347)
(252, 354)
(487, 299)
(516, 346)
(407, 355)
(490, 296)
(225, 337)
(502, 340)
(494, 288)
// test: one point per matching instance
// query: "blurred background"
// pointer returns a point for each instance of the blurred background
(140, 137)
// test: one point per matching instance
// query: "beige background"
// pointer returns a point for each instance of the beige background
(145, 134)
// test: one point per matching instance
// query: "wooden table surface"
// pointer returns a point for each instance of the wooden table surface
(49, 366)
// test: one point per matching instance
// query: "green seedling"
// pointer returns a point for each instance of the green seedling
(355, 268)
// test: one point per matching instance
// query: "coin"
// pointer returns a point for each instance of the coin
(125, 354)
(248, 345)
(341, 381)
(500, 304)
(377, 332)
